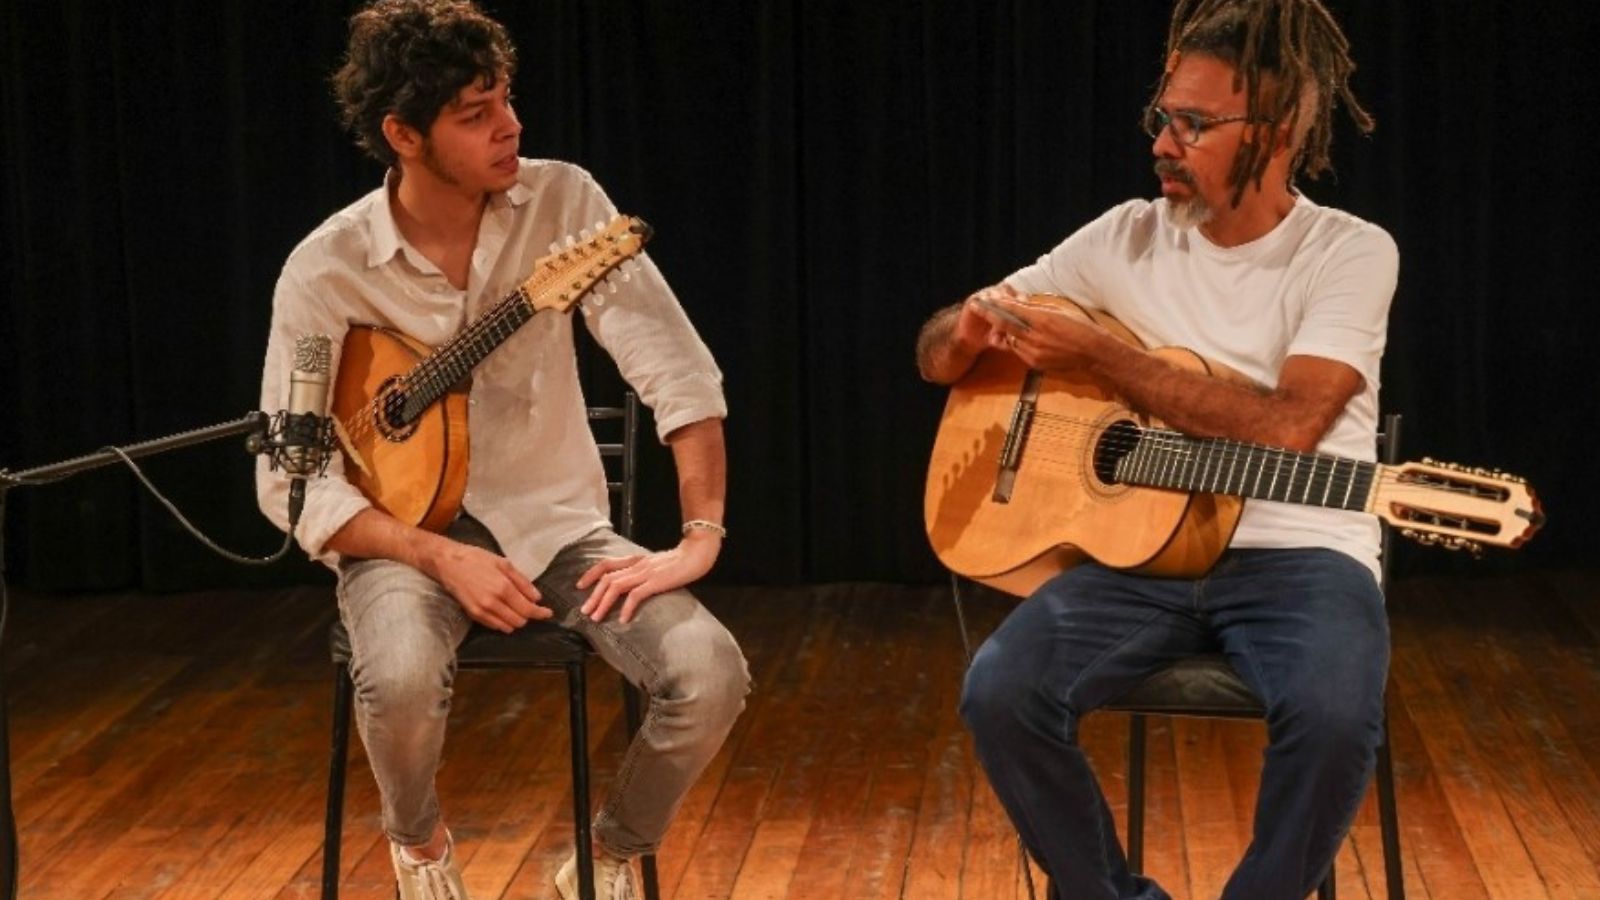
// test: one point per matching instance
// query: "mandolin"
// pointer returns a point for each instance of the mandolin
(400, 407)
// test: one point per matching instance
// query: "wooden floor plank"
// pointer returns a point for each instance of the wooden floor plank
(175, 749)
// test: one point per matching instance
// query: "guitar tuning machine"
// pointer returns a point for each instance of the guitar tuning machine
(1443, 541)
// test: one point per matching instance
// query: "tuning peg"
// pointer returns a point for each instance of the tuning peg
(599, 226)
(612, 288)
(572, 240)
(585, 233)
(555, 246)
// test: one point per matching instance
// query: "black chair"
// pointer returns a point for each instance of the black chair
(1208, 686)
(538, 645)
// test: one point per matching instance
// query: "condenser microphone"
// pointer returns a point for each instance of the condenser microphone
(306, 437)
(304, 441)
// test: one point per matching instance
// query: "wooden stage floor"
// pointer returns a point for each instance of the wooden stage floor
(176, 747)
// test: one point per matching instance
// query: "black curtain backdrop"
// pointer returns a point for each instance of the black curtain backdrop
(822, 176)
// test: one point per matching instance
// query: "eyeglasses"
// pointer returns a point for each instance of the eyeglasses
(1186, 126)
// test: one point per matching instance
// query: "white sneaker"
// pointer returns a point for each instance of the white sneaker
(613, 879)
(437, 879)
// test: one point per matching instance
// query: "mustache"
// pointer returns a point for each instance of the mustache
(1171, 168)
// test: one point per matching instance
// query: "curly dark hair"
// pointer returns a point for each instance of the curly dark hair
(411, 58)
(1294, 65)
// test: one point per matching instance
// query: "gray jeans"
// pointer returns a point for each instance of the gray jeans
(404, 631)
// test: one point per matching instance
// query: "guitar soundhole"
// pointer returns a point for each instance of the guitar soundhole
(392, 412)
(1117, 441)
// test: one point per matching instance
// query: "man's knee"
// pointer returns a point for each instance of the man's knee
(704, 671)
(405, 672)
(992, 693)
(1331, 717)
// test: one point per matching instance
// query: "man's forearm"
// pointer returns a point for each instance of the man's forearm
(941, 357)
(372, 534)
(700, 455)
(1205, 406)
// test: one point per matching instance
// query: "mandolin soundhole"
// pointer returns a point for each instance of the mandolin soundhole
(391, 403)
(1118, 440)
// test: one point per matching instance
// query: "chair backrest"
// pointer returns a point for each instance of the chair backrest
(1389, 454)
(616, 433)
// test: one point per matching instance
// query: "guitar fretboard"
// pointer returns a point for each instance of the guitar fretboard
(1168, 459)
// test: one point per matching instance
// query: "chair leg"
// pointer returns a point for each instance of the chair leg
(1136, 736)
(633, 705)
(338, 757)
(1326, 890)
(1389, 820)
(578, 716)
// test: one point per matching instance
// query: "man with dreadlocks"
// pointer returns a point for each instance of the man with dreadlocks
(1233, 262)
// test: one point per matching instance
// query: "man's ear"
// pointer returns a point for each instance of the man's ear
(403, 139)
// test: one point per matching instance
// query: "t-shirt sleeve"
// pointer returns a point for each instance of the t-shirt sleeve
(1347, 305)
(1070, 268)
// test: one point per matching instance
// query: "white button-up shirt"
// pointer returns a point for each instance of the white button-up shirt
(535, 478)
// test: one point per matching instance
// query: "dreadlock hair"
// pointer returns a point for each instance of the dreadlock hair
(411, 58)
(1294, 64)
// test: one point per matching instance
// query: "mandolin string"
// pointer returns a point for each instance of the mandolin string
(430, 374)
(433, 371)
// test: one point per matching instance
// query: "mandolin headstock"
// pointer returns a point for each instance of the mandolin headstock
(569, 272)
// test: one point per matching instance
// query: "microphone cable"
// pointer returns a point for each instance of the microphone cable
(202, 537)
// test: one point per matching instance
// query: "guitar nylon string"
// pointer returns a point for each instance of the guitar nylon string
(1166, 440)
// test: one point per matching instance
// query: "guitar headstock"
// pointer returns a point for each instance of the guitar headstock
(1457, 507)
(563, 277)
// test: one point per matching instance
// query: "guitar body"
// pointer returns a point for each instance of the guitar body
(416, 473)
(1057, 509)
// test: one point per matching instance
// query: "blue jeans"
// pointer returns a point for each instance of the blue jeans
(1306, 630)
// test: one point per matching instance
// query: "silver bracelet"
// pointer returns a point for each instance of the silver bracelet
(705, 525)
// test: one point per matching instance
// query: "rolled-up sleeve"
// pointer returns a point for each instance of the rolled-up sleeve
(331, 501)
(644, 328)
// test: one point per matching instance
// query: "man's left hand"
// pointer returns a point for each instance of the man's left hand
(635, 579)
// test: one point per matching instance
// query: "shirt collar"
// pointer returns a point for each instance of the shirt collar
(386, 239)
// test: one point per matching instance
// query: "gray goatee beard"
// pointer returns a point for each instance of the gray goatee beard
(1190, 213)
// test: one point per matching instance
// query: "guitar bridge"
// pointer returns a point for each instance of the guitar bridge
(1016, 438)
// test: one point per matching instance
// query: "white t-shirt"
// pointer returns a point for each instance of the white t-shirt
(1319, 284)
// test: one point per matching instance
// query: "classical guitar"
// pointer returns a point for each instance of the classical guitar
(400, 407)
(1034, 472)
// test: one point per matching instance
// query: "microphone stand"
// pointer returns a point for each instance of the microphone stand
(255, 424)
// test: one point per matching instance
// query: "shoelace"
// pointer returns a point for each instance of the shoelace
(622, 884)
(435, 880)
(439, 882)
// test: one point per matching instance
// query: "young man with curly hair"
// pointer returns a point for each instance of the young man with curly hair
(457, 224)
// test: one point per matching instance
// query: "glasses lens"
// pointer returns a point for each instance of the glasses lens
(1186, 128)
(1154, 120)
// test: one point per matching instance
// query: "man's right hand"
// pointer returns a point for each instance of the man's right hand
(950, 341)
(488, 587)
